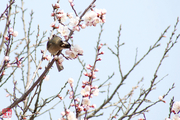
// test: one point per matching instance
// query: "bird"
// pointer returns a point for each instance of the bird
(56, 44)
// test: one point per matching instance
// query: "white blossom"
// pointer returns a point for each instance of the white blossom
(63, 30)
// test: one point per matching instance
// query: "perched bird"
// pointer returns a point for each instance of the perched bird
(54, 45)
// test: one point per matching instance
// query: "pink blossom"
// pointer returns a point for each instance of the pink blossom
(67, 111)
(70, 1)
(176, 117)
(86, 74)
(87, 107)
(94, 76)
(77, 99)
(74, 21)
(84, 82)
(71, 116)
(3, 73)
(87, 88)
(70, 97)
(63, 30)
(19, 66)
(96, 87)
(53, 24)
(72, 4)
(8, 65)
(83, 26)
(93, 106)
(176, 107)
(96, 70)
(56, 6)
(88, 66)
(63, 113)
(52, 14)
(96, 92)
(48, 58)
(89, 17)
(102, 52)
(71, 93)
(85, 101)
(6, 37)
(6, 58)
(15, 33)
(7, 95)
(80, 108)
(70, 80)
(83, 92)
(99, 59)
(77, 28)
(11, 30)
(72, 104)
(100, 46)
(70, 15)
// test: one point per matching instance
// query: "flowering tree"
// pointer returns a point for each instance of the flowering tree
(26, 101)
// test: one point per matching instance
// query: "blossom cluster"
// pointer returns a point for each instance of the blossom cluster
(11, 32)
(70, 23)
(8, 64)
(87, 92)
(70, 115)
(175, 109)
(74, 52)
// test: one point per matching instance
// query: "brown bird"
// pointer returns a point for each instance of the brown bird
(54, 45)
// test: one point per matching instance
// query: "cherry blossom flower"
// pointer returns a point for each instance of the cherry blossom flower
(56, 6)
(71, 116)
(176, 107)
(6, 58)
(11, 30)
(88, 66)
(93, 106)
(63, 30)
(15, 33)
(89, 17)
(77, 99)
(83, 26)
(75, 50)
(85, 101)
(96, 92)
(62, 16)
(74, 21)
(101, 11)
(176, 117)
(48, 58)
(70, 1)
(70, 80)
(70, 15)
(63, 113)
(7, 95)
(87, 88)
(8, 65)
(6, 37)
(160, 97)
(84, 92)
(60, 60)
(96, 70)
(53, 24)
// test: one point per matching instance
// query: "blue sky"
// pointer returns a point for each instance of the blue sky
(142, 22)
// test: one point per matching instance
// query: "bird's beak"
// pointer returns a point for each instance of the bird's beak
(66, 44)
